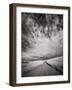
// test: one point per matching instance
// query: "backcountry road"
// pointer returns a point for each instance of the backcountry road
(53, 66)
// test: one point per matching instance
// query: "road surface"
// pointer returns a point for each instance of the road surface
(53, 66)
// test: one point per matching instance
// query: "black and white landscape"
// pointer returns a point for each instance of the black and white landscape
(41, 44)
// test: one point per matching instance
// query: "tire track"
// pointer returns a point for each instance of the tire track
(54, 67)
